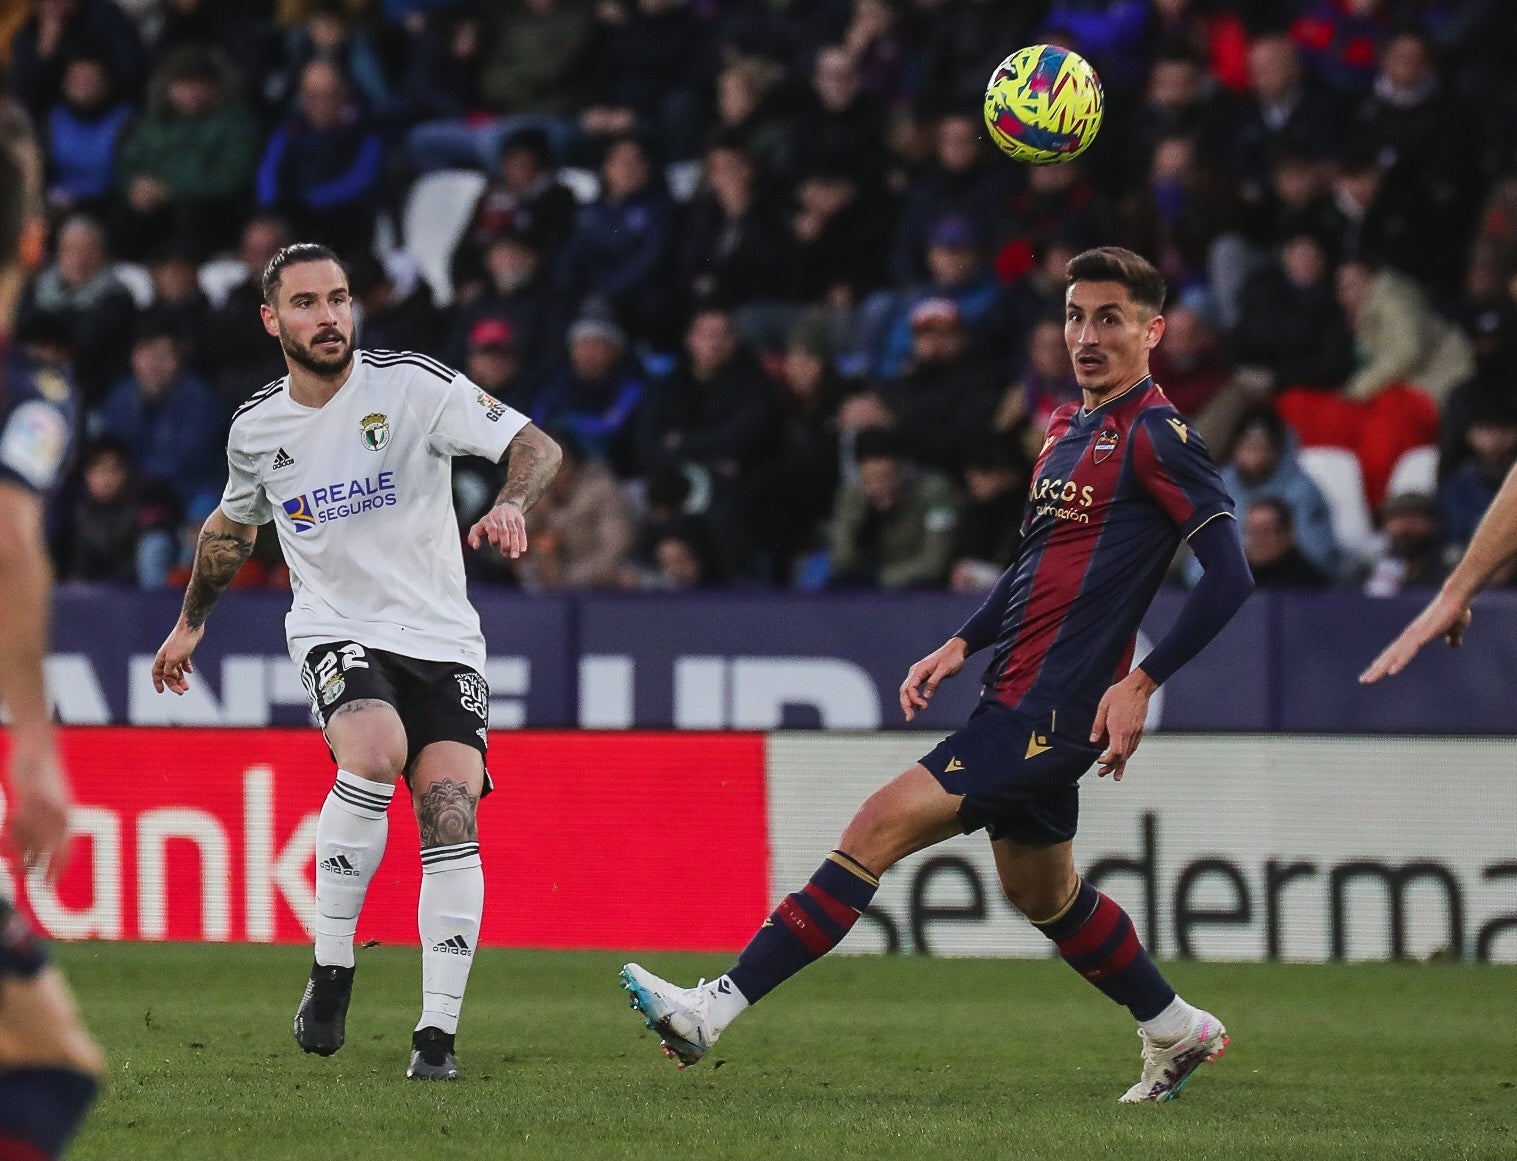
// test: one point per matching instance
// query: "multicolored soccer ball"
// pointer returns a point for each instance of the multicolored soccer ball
(1043, 105)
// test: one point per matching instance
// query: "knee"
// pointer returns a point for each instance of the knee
(1039, 899)
(375, 762)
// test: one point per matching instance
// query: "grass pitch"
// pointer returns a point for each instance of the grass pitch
(856, 1058)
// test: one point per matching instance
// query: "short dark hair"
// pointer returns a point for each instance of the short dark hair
(1116, 264)
(295, 255)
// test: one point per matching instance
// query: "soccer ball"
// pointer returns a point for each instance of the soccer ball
(1043, 105)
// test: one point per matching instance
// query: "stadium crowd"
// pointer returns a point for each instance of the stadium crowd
(756, 265)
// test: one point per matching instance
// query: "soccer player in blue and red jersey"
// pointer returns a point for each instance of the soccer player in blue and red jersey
(1122, 478)
(48, 1063)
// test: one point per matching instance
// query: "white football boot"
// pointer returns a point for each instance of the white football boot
(677, 1014)
(1166, 1069)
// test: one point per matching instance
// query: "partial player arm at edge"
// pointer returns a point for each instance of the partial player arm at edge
(982, 628)
(1448, 614)
(224, 547)
(25, 579)
(531, 461)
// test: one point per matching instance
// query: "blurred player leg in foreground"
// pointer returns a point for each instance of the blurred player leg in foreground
(48, 1064)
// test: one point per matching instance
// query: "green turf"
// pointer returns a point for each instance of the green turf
(865, 1057)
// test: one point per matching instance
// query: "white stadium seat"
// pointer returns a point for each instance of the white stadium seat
(584, 184)
(1336, 471)
(1415, 471)
(135, 277)
(218, 276)
(437, 213)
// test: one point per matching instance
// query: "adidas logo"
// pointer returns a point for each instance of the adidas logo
(458, 945)
(282, 459)
(339, 865)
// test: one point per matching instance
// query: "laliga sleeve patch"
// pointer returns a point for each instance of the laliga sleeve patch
(34, 443)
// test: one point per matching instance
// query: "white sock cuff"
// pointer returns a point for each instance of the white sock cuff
(458, 857)
(362, 797)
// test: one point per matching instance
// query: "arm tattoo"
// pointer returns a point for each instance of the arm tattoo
(531, 463)
(445, 814)
(217, 558)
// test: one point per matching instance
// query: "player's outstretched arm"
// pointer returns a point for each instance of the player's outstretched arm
(531, 461)
(1448, 614)
(38, 818)
(923, 678)
(224, 548)
(1225, 584)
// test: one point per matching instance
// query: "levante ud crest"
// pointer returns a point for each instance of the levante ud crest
(1106, 443)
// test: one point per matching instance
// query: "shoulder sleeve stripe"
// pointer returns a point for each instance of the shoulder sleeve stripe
(390, 356)
(443, 373)
(266, 394)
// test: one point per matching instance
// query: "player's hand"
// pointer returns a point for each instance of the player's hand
(923, 678)
(173, 660)
(504, 526)
(36, 826)
(1446, 616)
(1119, 722)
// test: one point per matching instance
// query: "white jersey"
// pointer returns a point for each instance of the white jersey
(361, 492)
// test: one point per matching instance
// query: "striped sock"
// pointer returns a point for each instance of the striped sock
(351, 833)
(1096, 938)
(447, 918)
(805, 926)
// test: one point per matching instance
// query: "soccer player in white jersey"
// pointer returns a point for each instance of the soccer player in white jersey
(350, 456)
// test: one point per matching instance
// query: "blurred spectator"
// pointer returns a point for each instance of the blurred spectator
(789, 496)
(101, 545)
(893, 526)
(843, 124)
(946, 395)
(441, 80)
(966, 181)
(996, 479)
(1284, 107)
(1410, 359)
(1298, 201)
(329, 33)
(514, 286)
(581, 529)
(180, 306)
(1269, 543)
(1262, 464)
(538, 57)
(732, 252)
(1177, 216)
(80, 287)
(596, 397)
(1290, 325)
(1390, 218)
(1058, 203)
(246, 357)
(1175, 104)
(1045, 384)
(1188, 364)
(748, 114)
(717, 409)
(839, 239)
(185, 167)
(1412, 557)
(1491, 434)
(171, 423)
(493, 363)
(647, 72)
(684, 559)
(82, 134)
(672, 549)
(59, 31)
(1339, 38)
(322, 165)
(623, 244)
(956, 272)
(524, 199)
(962, 44)
(395, 306)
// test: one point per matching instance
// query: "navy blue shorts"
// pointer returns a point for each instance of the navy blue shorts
(1018, 778)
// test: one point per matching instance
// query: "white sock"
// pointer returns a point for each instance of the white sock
(726, 1002)
(350, 841)
(1172, 1023)
(452, 901)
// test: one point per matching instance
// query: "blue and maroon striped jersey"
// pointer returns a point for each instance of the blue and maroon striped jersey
(1113, 492)
(38, 409)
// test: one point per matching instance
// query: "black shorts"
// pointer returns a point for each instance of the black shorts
(22, 954)
(438, 701)
(1018, 777)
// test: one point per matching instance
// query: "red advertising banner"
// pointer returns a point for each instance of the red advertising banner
(604, 840)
